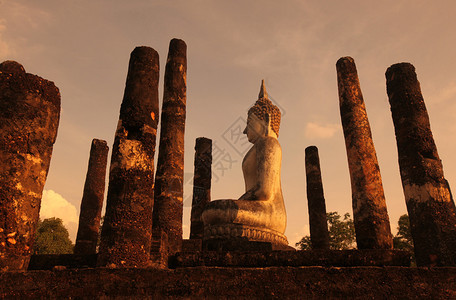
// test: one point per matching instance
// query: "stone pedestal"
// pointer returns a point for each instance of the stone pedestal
(428, 197)
(92, 199)
(201, 185)
(29, 118)
(168, 209)
(319, 234)
(369, 207)
(127, 227)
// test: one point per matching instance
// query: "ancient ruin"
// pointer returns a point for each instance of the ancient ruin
(428, 197)
(259, 214)
(29, 118)
(319, 235)
(237, 248)
(369, 207)
(92, 199)
(169, 190)
(127, 229)
(201, 185)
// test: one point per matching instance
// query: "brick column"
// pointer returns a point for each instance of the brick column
(428, 197)
(127, 227)
(201, 185)
(369, 207)
(168, 210)
(319, 234)
(92, 199)
(29, 118)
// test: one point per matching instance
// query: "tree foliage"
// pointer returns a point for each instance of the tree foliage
(341, 233)
(52, 238)
(403, 239)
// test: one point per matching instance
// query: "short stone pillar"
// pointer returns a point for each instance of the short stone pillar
(168, 207)
(127, 228)
(92, 199)
(319, 235)
(29, 118)
(428, 197)
(369, 207)
(201, 185)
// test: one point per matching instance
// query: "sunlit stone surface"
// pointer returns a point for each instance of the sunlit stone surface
(370, 215)
(127, 228)
(29, 118)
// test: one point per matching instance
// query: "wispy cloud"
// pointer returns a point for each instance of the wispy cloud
(54, 205)
(320, 131)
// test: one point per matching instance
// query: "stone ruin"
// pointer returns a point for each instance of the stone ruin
(142, 252)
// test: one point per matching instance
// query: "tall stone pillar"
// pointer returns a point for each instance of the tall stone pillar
(29, 118)
(428, 197)
(369, 207)
(319, 235)
(167, 215)
(127, 227)
(201, 185)
(92, 199)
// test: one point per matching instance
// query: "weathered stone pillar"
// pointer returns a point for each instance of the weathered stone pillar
(428, 197)
(29, 118)
(127, 227)
(92, 199)
(319, 235)
(369, 207)
(167, 215)
(201, 185)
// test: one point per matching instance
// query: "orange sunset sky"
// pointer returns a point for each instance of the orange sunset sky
(84, 47)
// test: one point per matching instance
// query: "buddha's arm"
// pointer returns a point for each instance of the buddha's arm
(268, 161)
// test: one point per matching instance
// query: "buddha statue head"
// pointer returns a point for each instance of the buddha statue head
(263, 118)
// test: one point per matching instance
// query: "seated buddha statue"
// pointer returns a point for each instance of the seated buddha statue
(259, 214)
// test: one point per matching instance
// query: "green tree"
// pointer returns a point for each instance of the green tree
(403, 239)
(52, 238)
(341, 233)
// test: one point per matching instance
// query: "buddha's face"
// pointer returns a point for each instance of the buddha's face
(255, 128)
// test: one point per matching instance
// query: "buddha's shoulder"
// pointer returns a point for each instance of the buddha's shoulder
(269, 142)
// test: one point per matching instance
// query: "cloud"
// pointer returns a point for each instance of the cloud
(317, 131)
(54, 205)
(296, 236)
(448, 93)
(21, 28)
(5, 49)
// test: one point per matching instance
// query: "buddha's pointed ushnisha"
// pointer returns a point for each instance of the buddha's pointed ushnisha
(263, 93)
